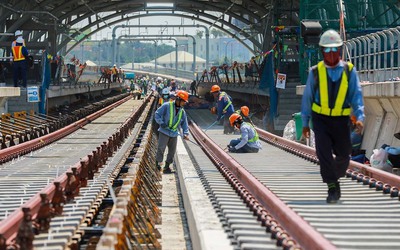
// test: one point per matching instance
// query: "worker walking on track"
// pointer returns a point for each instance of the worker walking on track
(332, 89)
(248, 141)
(224, 107)
(171, 116)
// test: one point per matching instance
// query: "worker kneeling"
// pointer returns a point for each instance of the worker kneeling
(249, 141)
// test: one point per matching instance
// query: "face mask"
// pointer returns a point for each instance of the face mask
(166, 96)
(331, 58)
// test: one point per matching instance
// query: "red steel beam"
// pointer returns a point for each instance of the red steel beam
(294, 224)
(9, 226)
(391, 179)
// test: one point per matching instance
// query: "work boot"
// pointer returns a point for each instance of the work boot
(158, 166)
(167, 169)
(333, 192)
(338, 189)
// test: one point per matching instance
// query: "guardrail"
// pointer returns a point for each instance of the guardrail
(375, 55)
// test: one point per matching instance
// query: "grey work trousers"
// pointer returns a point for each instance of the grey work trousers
(164, 141)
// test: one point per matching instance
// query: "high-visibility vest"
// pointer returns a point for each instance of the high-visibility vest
(255, 137)
(223, 94)
(172, 126)
(17, 53)
(323, 107)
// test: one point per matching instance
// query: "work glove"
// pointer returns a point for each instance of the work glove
(232, 149)
(306, 132)
(359, 126)
(163, 125)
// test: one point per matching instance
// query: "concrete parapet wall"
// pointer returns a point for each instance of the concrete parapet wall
(382, 111)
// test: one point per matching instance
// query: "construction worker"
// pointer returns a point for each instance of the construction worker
(17, 34)
(248, 141)
(114, 72)
(20, 53)
(170, 117)
(224, 107)
(164, 96)
(244, 112)
(332, 89)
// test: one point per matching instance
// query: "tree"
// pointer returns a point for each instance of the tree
(217, 33)
(199, 33)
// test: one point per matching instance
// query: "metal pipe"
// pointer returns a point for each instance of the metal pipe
(168, 38)
(391, 43)
(156, 36)
(158, 26)
(384, 52)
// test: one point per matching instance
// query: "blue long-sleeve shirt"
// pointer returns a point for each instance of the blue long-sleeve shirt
(247, 133)
(162, 117)
(223, 100)
(354, 96)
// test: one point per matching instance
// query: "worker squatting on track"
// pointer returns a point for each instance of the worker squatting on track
(170, 117)
(332, 89)
(249, 141)
(224, 107)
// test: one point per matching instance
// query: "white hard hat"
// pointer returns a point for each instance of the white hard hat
(20, 40)
(18, 33)
(165, 91)
(330, 38)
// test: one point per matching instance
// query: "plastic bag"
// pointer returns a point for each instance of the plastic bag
(289, 131)
(379, 160)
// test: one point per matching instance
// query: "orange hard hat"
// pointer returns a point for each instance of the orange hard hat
(245, 110)
(213, 110)
(234, 118)
(215, 88)
(183, 95)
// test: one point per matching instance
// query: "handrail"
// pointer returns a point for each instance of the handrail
(373, 55)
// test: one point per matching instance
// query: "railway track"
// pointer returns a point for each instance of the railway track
(285, 192)
(271, 200)
(73, 171)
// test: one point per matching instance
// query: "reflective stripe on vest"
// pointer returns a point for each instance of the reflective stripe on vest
(17, 53)
(338, 109)
(255, 138)
(229, 102)
(171, 126)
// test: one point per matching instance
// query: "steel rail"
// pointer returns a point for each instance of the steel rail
(9, 226)
(357, 170)
(26, 147)
(305, 235)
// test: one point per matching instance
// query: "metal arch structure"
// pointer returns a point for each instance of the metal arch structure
(100, 27)
(53, 17)
(155, 43)
(162, 37)
(114, 41)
